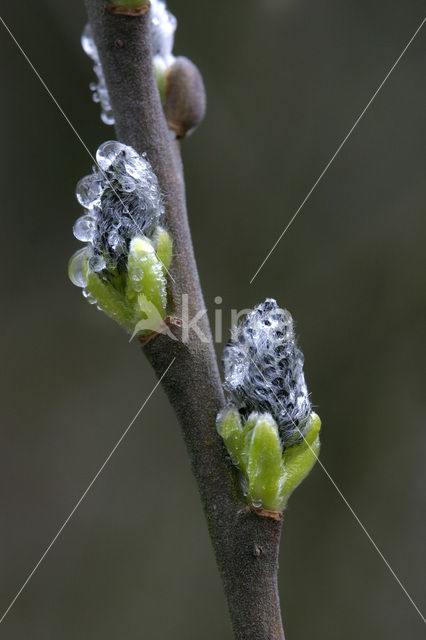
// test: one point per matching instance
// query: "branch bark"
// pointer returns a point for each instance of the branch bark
(245, 543)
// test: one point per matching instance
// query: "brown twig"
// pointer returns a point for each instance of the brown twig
(245, 544)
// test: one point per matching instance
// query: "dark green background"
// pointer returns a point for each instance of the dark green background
(285, 82)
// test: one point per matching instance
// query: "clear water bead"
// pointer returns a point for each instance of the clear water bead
(88, 44)
(137, 279)
(107, 153)
(107, 117)
(138, 286)
(84, 228)
(76, 268)
(135, 165)
(100, 91)
(89, 297)
(127, 184)
(97, 263)
(137, 274)
(87, 191)
(113, 239)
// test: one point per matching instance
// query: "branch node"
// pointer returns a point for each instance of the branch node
(129, 11)
(266, 513)
(168, 323)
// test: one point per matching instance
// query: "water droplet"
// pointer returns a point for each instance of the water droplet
(107, 153)
(113, 239)
(76, 268)
(88, 43)
(88, 190)
(138, 286)
(134, 164)
(107, 117)
(97, 263)
(127, 184)
(84, 228)
(137, 274)
(257, 503)
(89, 296)
(137, 279)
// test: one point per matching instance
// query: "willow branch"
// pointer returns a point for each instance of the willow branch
(245, 543)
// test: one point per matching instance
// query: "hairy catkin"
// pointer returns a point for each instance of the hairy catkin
(263, 370)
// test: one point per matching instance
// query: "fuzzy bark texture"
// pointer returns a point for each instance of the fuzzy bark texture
(245, 543)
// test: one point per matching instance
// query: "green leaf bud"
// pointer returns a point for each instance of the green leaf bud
(269, 473)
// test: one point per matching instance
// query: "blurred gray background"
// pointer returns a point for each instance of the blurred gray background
(285, 81)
